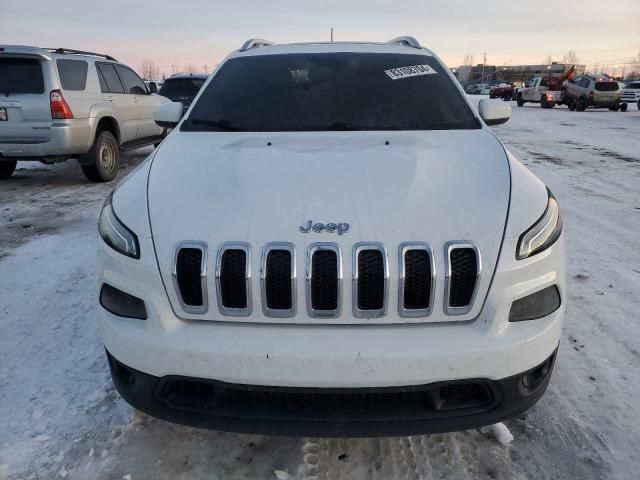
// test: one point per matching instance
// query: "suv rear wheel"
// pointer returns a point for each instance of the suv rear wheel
(101, 163)
(7, 168)
(581, 105)
(519, 100)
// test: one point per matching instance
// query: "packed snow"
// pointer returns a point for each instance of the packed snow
(60, 417)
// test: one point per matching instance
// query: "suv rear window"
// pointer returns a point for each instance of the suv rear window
(73, 74)
(21, 75)
(331, 91)
(607, 86)
(181, 87)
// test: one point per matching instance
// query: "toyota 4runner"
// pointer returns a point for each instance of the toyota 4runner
(61, 103)
(332, 242)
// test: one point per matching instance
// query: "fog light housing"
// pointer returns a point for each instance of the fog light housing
(536, 305)
(121, 303)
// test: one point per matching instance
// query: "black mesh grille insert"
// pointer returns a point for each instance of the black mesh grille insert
(283, 403)
(417, 279)
(464, 271)
(233, 288)
(370, 280)
(278, 280)
(188, 275)
(324, 280)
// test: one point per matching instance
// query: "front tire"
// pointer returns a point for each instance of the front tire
(519, 100)
(7, 168)
(572, 105)
(543, 102)
(581, 106)
(623, 107)
(101, 163)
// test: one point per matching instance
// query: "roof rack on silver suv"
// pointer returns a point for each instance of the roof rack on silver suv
(406, 41)
(80, 52)
(255, 43)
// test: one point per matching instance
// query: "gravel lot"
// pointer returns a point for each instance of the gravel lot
(61, 417)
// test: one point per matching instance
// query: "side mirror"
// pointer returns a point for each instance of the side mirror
(153, 87)
(494, 112)
(168, 115)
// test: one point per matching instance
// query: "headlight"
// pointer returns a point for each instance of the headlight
(115, 234)
(543, 233)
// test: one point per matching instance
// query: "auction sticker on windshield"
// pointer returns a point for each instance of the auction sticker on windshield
(411, 71)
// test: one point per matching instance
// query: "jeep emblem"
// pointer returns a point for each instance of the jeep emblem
(321, 227)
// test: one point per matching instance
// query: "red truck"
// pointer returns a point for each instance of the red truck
(503, 91)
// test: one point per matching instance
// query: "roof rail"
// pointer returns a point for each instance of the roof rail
(80, 52)
(255, 43)
(406, 41)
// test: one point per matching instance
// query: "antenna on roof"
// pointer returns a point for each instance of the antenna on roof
(406, 41)
(332, 34)
(255, 43)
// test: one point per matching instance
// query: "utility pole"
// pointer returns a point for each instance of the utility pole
(484, 63)
(173, 69)
(332, 34)
(206, 68)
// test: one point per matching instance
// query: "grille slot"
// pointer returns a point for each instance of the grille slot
(233, 279)
(462, 277)
(189, 276)
(278, 280)
(324, 274)
(370, 280)
(417, 280)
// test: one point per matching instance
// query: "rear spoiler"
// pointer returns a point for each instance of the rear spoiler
(24, 52)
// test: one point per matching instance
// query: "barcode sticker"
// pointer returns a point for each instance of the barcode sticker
(410, 71)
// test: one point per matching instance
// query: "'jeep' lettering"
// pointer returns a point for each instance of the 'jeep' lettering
(321, 227)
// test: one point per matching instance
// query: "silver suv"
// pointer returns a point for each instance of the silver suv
(59, 103)
(588, 91)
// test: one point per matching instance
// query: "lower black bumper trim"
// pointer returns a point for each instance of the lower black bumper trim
(357, 412)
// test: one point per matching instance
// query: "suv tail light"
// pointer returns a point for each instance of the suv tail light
(59, 106)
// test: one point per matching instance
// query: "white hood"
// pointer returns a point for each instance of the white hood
(434, 187)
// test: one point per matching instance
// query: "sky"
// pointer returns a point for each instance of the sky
(200, 32)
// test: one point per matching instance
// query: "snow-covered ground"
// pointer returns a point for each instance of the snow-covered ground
(61, 418)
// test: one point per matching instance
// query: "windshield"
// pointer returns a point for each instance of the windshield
(181, 87)
(634, 85)
(330, 91)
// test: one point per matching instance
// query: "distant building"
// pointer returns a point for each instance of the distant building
(467, 74)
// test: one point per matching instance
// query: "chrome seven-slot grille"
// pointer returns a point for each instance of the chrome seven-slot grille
(324, 279)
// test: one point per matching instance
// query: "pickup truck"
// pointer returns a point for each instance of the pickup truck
(537, 90)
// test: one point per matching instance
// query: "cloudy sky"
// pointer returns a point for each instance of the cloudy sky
(199, 32)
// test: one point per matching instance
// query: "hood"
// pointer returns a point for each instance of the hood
(435, 187)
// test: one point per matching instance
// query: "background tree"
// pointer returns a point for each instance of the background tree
(570, 58)
(190, 68)
(468, 60)
(149, 70)
(548, 60)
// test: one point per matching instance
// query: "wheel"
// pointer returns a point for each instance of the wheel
(614, 109)
(581, 105)
(101, 163)
(7, 168)
(572, 105)
(638, 104)
(623, 107)
(506, 97)
(543, 102)
(519, 100)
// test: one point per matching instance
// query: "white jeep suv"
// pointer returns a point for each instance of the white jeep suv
(332, 242)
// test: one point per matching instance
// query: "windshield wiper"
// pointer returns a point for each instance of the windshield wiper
(221, 125)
